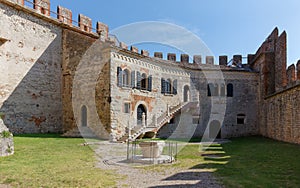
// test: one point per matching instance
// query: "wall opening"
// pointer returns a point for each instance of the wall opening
(215, 129)
(186, 94)
(240, 119)
(83, 116)
(141, 109)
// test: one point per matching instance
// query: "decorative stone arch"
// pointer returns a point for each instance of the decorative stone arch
(186, 93)
(83, 116)
(140, 107)
(215, 129)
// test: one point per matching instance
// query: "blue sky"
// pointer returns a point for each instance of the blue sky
(227, 27)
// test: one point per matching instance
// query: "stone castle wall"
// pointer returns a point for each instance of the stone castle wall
(49, 75)
(30, 74)
(281, 120)
(278, 90)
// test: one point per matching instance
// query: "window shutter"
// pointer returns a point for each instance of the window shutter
(138, 77)
(133, 79)
(119, 74)
(150, 83)
(163, 86)
(175, 87)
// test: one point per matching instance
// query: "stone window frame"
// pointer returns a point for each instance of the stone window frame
(241, 119)
(126, 107)
(169, 86)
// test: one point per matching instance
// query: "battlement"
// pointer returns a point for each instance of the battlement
(293, 74)
(185, 60)
(63, 15)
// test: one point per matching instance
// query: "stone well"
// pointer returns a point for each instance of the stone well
(152, 149)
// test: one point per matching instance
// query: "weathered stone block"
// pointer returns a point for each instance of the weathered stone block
(209, 60)
(103, 30)
(171, 57)
(20, 2)
(123, 45)
(134, 49)
(145, 53)
(184, 58)
(298, 70)
(158, 54)
(85, 23)
(197, 59)
(250, 58)
(223, 60)
(237, 60)
(42, 6)
(6, 141)
(64, 15)
(291, 74)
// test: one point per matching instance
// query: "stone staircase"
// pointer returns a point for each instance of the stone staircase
(140, 131)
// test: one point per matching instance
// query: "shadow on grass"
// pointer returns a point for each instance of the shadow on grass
(191, 179)
(38, 136)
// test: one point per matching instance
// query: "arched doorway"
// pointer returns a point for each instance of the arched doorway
(186, 94)
(83, 116)
(141, 109)
(215, 129)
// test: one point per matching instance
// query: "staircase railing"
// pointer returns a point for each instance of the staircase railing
(155, 125)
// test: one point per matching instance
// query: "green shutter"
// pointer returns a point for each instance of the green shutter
(150, 83)
(139, 78)
(175, 87)
(133, 79)
(163, 86)
(119, 74)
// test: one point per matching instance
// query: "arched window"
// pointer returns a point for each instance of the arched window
(222, 90)
(210, 90)
(83, 116)
(229, 90)
(144, 82)
(186, 94)
(125, 78)
(141, 110)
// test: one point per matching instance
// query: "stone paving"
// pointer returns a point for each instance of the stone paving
(112, 156)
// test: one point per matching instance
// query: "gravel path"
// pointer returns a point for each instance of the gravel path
(112, 157)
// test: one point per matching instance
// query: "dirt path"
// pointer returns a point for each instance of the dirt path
(112, 156)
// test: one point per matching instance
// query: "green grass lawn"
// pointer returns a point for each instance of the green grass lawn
(258, 162)
(52, 161)
(244, 162)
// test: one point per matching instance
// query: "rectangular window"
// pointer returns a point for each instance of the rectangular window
(126, 107)
(240, 120)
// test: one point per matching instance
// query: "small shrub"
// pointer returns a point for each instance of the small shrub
(5, 134)
(9, 149)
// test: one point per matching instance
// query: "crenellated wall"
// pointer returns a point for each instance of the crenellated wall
(41, 55)
(279, 96)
